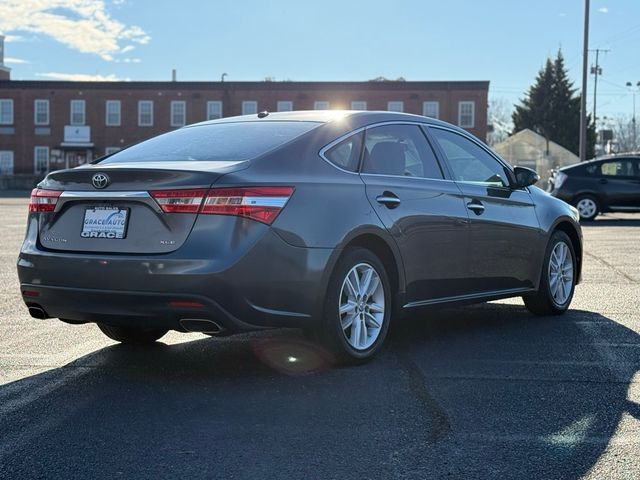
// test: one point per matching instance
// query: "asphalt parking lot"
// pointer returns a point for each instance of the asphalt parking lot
(478, 392)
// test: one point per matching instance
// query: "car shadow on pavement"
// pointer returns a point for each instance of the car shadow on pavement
(612, 221)
(478, 392)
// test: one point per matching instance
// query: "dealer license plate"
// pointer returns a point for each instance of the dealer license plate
(105, 222)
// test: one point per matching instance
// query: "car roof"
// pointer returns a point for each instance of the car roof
(602, 159)
(328, 116)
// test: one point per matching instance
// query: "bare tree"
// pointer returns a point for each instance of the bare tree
(625, 133)
(500, 123)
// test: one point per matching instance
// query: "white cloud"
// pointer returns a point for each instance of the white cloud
(13, 38)
(79, 77)
(603, 10)
(84, 25)
(15, 60)
(127, 48)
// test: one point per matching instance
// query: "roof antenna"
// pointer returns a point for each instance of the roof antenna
(263, 114)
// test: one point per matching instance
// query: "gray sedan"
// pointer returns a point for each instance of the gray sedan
(331, 221)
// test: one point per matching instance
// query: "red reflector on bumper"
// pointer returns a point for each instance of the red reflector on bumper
(185, 304)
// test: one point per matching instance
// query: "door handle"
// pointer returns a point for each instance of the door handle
(476, 207)
(388, 199)
(603, 180)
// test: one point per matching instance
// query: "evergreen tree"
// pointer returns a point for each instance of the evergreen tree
(552, 109)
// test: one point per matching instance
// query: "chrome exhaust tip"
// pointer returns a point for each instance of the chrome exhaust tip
(201, 325)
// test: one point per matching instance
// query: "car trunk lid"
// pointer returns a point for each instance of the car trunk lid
(112, 209)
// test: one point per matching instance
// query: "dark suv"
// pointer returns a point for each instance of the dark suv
(609, 184)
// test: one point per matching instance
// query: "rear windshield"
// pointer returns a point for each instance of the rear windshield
(215, 142)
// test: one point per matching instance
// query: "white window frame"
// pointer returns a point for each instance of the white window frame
(321, 105)
(9, 119)
(249, 107)
(140, 104)
(110, 150)
(395, 106)
(6, 156)
(462, 105)
(107, 104)
(212, 106)
(431, 103)
(45, 112)
(82, 111)
(358, 105)
(175, 104)
(284, 106)
(36, 150)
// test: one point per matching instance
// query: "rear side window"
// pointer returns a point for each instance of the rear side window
(214, 142)
(401, 150)
(346, 154)
(617, 168)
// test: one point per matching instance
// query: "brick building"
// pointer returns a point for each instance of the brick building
(48, 125)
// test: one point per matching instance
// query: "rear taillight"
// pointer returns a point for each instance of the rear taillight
(179, 201)
(258, 203)
(559, 179)
(43, 200)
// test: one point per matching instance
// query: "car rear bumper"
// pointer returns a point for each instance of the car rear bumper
(267, 283)
(562, 195)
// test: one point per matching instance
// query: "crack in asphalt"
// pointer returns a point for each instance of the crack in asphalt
(612, 267)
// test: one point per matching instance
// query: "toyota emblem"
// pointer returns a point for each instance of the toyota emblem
(100, 180)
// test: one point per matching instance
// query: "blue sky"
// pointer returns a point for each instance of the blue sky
(504, 41)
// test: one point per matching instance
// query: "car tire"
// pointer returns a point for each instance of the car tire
(588, 207)
(558, 278)
(355, 335)
(132, 335)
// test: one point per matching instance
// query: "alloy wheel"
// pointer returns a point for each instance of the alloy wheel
(587, 208)
(560, 273)
(361, 306)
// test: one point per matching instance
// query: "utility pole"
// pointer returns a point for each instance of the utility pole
(596, 70)
(583, 97)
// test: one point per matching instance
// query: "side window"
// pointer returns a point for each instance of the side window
(399, 150)
(593, 169)
(468, 161)
(617, 168)
(346, 154)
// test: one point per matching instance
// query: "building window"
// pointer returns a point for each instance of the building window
(214, 110)
(145, 113)
(6, 162)
(41, 112)
(110, 150)
(112, 115)
(358, 105)
(77, 108)
(395, 106)
(6, 111)
(178, 113)
(249, 107)
(466, 114)
(285, 106)
(321, 105)
(431, 109)
(40, 159)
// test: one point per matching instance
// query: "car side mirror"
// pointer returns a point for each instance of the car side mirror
(525, 176)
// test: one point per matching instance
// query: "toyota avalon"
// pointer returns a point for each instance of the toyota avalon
(334, 222)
